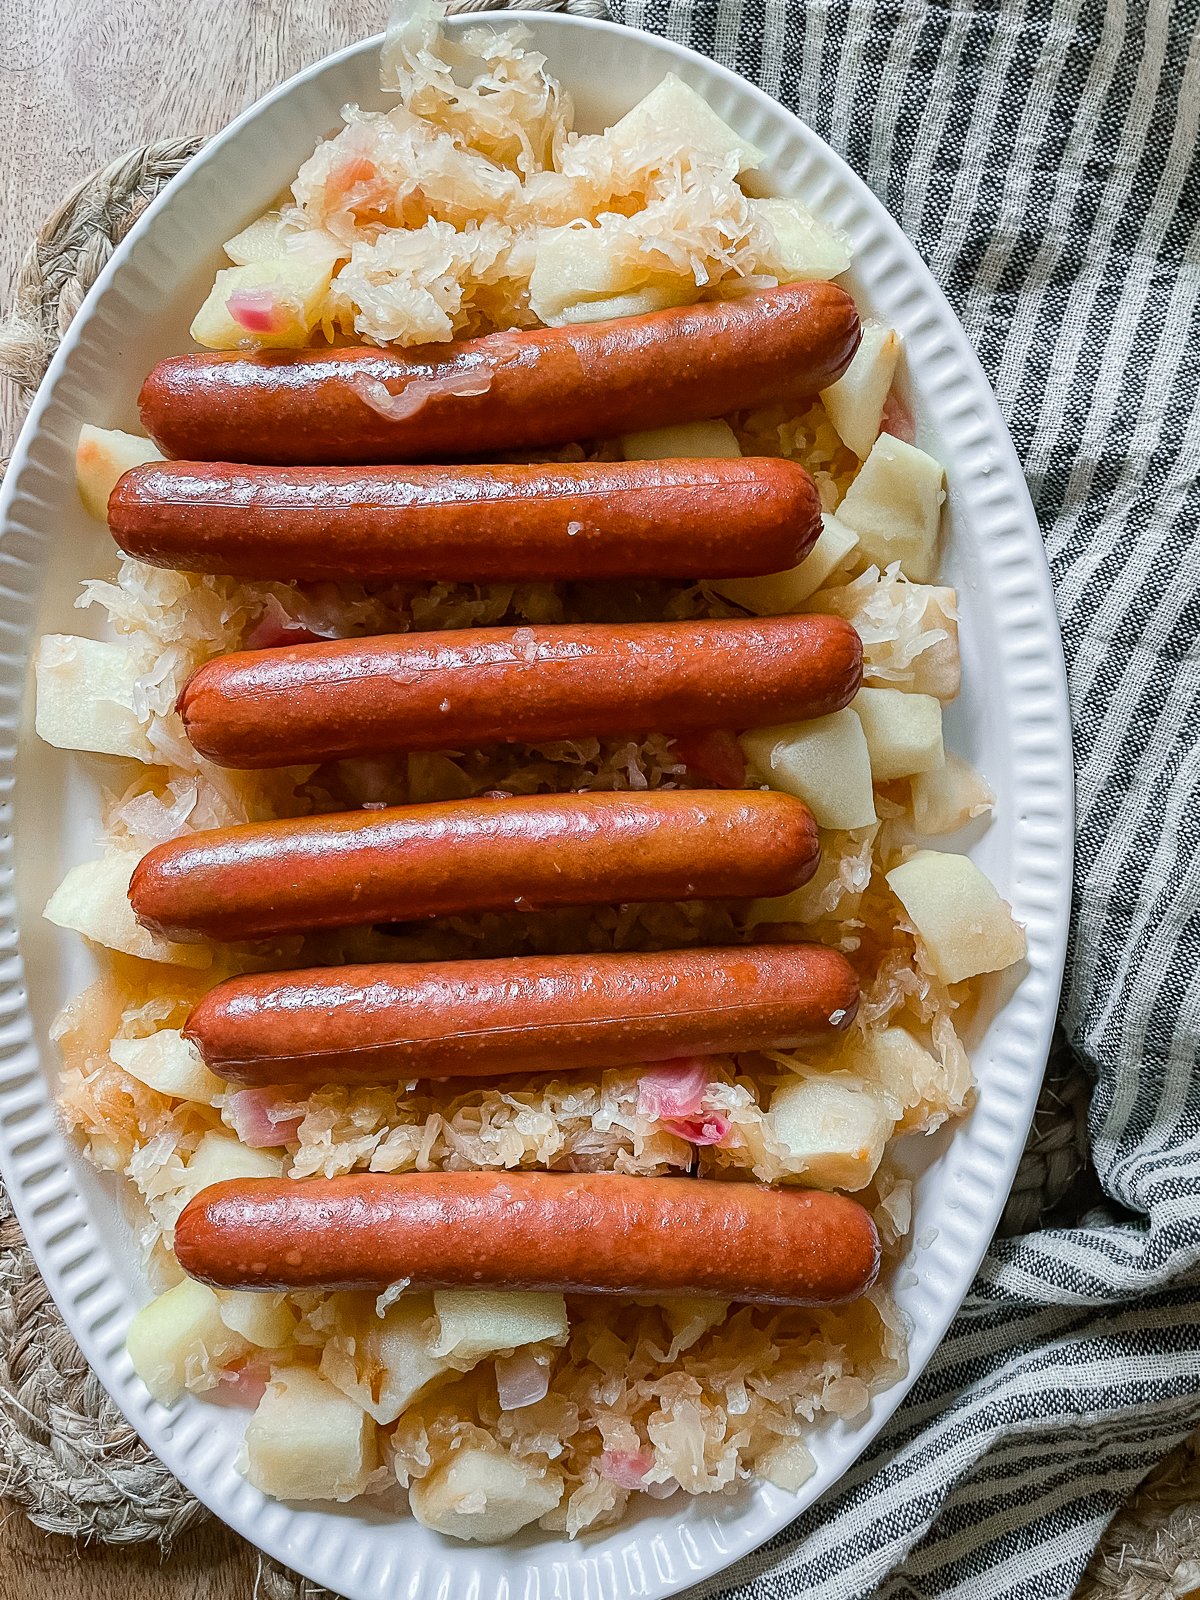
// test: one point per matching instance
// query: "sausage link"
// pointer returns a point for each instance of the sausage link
(437, 691)
(504, 391)
(388, 1022)
(523, 852)
(594, 519)
(582, 1233)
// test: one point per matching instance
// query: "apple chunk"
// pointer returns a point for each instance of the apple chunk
(960, 919)
(824, 762)
(101, 457)
(673, 117)
(635, 303)
(85, 696)
(686, 440)
(275, 303)
(264, 239)
(263, 1320)
(855, 402)
(798, 246)
(927, 1089)
(307, 1441)
(777, 593)
(384, 1363)
(575, 264)
(93, 899)
(481, 1492)
(904, 732)
(169, 1063)
(219, 1156)
(473, 1323)
(179, 1341)
(947, 799)
(894, 506)
(833, 1128)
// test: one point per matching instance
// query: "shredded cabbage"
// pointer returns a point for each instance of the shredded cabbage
(445, 216)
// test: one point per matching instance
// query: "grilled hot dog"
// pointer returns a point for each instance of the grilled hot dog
(385, 1022)
(585, 1233)
(594, 519)
(349, 697)
(527, 852)
(504, 391)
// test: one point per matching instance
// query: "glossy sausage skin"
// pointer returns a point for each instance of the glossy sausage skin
(387, 1022)
(475, 524)
(439, 691)
(583, 1233)
(523, 852)
(547, 386)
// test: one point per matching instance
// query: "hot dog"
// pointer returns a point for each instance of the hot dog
(526, 852)
(387, 1022)
(595, 519)
(585, 1233)
(348, 697)
(504, 391)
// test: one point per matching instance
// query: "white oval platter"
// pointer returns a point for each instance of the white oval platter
(1012, 721)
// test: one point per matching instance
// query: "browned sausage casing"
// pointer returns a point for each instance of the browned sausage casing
(584, 1233)
(525, 852)
(547, 386)
(592, 519)
(436, 691)
(387, 1022)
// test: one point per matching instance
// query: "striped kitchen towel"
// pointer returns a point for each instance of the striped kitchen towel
(1042, 155)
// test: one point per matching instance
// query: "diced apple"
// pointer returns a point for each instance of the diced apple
(481, 1492)
(384, 1363)
(694, 440)
(474, 1323)
(824, 762)
(938, 670)
(168, 1062)
(307, 1441)
(947, 799)
(837, 886)
(101, 457)
(904, 732)
(799, 246)
(264, 239)
(788, 1465)
(777, 593)
(894, 506)
(673, 117)
(691, 1315)
(219, 1156)
(833, 1128)
(263, 1320)
(637, 303)
(902, 1068)
(179, 1341)
(577, 264)
(960, 919)
(855, 402)
(93, 899)
(85, 696)
(276, 303)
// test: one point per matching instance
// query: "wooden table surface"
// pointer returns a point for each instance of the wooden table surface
(82, 81)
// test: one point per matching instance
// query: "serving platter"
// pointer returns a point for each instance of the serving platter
(1011, 721)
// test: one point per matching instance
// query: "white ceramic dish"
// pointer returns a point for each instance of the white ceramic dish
(1011, 720)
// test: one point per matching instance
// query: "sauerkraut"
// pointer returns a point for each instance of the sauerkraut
(472, 205)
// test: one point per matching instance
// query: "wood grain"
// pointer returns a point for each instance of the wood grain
(82, 81)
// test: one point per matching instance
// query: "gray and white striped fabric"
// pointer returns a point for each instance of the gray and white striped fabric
(1042, 154)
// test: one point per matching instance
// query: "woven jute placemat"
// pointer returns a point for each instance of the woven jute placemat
(67, 1456)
